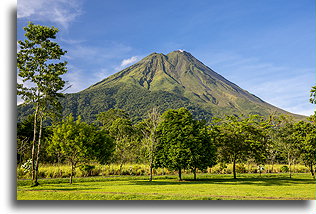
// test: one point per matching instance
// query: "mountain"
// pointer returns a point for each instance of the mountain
(174, 80)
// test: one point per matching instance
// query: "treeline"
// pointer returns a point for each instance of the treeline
(174, 140)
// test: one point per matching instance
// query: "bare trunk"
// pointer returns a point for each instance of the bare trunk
(38, 151)
(289, 162)
(151, 165)
(151, 172)
(34, 142)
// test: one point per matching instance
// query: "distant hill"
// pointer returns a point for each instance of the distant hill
(174, 80)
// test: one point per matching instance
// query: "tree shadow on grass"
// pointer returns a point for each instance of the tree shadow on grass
(282, 181)
(69, 189)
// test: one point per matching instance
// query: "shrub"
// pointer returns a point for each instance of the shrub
(86, 170)
(284, 169)
(240, 168)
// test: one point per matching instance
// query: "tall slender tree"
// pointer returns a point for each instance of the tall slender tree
(40, 72)
(148, 129)
(288, 142)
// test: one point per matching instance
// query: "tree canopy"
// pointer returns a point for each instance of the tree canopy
(40, 74)
(79, 142)
(183, 142)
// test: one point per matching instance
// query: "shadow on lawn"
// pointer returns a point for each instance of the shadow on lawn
(281, 181)
(67, 189)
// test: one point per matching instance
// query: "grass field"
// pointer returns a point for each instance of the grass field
(208, 187)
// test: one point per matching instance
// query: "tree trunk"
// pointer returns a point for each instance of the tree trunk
(180, 179)
(234, 168)
(290, 170)
(121, 168)
(312, 170)
(38, 152)
(194, 173)
(151, 172)
(34, 142)
(72, 172)
(289, 162)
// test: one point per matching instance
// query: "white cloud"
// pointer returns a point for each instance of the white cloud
(129, 61)
(62, 12)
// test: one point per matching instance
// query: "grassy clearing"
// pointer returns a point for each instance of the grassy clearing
(208, 187)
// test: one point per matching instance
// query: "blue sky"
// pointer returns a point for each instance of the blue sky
(265, 46)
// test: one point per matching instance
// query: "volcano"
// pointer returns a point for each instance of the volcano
(169, 81)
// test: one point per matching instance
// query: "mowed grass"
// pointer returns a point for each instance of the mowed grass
(207, 187)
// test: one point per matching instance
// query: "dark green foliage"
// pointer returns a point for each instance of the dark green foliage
(79, 142)
(284, 169)
(183, 142)
(313, 95)
(136, 102)
(240, 139)
(288, 143)
(86, 169)
(117, 123)
(24, 139)
(107, 118)
(304, 134)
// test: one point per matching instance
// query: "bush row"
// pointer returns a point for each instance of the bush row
(63, 171)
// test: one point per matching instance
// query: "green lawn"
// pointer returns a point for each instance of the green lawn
(208, 187)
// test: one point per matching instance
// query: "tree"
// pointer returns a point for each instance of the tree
(24, 137)
(288, 143)
(273, 149)
(259, 139)
(304, 134)
(79, 142)
(122, 131)
(203, 150)
(313, 99)
(313, 95)
(148, 129)
(40, 73)
(108, 117)
(117, 123)
(240, 138)
(182, 142)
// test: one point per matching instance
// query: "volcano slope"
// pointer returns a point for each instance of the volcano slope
(169, 81)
